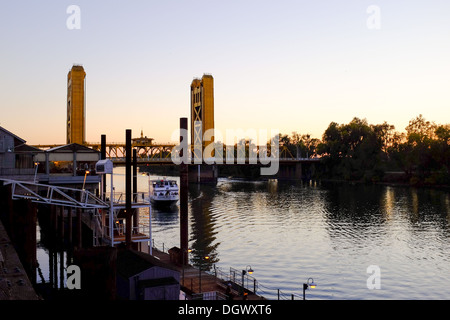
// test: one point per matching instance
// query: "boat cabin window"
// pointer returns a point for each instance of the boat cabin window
(161, 184)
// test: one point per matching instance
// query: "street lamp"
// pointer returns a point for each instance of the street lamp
(200, 272)
(85, 174)
(184, 254)
(308, 284)
(248, 270)
(35, 172)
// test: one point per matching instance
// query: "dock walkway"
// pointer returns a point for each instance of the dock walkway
(190, 283)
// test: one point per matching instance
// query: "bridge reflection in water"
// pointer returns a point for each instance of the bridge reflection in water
(332, 232)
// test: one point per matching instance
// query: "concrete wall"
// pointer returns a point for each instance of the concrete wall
(167, 292)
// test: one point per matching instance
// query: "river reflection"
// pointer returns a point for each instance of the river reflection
(332, 232)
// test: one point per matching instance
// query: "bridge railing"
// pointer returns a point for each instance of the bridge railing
(224, 161)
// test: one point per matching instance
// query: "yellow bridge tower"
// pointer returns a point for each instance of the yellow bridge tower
(202, 114)
(76, 109)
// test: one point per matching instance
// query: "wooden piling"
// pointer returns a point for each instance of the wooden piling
(135, 191)
(103, 157)
(70, 223)
(53, 220)
(98, 280)
(129, 213)
(10, 213)
(61, 269)
(184, 184)
(78, 227)
(50, 266)
(61, 224)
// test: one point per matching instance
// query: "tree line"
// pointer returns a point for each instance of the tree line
(359, 151)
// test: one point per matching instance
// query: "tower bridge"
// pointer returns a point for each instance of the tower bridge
(113, 217)
(150, 152)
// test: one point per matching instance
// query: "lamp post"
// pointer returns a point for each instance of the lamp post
(200, 273)
(308, 284)
(248, 270)
(85, 174)
(35, 171)
(185, 253)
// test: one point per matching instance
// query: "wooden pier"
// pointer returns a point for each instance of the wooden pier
(208, 284)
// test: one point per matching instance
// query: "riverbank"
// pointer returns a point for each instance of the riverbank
(393, 179)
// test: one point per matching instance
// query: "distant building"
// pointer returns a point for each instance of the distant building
(76, 108)
(141, 276)
(142, 141)
(202, 109)
(16, 157)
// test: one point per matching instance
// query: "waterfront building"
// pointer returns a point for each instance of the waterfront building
(68, 164)
(141, 276)
(16, 157)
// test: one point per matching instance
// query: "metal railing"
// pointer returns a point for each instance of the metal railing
(49, 194)
(211, 295)
(235, 276)
(138, 198)
(246, 282)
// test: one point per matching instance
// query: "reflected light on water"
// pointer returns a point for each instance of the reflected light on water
(331, 232)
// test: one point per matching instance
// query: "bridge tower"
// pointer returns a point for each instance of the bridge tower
(76, 109)
(202, 121)
(202, 114)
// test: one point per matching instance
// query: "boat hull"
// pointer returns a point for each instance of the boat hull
(163, 202)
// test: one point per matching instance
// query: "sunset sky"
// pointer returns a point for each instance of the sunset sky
(288, 65)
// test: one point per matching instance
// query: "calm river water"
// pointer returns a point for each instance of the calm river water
(331, 232)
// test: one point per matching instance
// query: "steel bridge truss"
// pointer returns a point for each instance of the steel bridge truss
(143, 151)
(163, 152)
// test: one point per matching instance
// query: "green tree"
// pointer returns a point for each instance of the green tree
(423, 152)
(353, 151)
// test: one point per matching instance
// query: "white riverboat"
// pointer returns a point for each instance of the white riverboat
(164, 192)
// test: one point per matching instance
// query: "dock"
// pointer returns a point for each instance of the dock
(208, 286)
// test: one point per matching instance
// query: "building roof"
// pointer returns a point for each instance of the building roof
(71, 148)
(12, 134)
(149, 283)
(27, 148)
(131, 262)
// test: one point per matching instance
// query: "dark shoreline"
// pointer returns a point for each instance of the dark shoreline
(393, 180)
(386, 183)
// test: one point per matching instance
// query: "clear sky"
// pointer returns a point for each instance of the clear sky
(288, 65)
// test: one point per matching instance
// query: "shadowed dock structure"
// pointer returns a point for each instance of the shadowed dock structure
(14, 282)
(207, 286)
